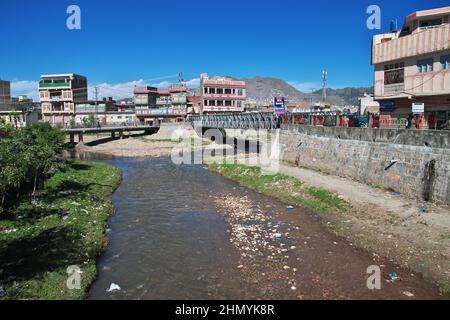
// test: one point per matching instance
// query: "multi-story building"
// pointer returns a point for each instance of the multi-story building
(145, 102)
(5, 94)
(59, 93)
(412, 66)
(220, 94)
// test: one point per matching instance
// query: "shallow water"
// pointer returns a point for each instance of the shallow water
(167, 240)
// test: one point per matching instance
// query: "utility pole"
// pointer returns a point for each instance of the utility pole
(96, 103)
(324, 87)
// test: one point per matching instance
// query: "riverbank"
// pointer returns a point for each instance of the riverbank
(415, 241)
(62, 226)
(157, 145)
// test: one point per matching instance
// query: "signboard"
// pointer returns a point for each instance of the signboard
(418, 108)
(387, 105)
(279, 105)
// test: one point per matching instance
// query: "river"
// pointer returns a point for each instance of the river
(170, 239)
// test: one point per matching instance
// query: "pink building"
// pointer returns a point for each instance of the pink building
(220, 94)
(412, 66)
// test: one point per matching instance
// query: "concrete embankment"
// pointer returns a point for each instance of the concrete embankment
(388, 215)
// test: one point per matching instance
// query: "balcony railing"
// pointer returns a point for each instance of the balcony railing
(160, 112)
(418, 43)
(54, 85)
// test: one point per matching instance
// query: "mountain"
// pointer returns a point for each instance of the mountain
(262, 90)
(348, 95)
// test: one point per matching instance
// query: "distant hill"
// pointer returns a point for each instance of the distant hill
(349, 95)
(263, 89)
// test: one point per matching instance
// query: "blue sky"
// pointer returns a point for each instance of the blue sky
(123, 43)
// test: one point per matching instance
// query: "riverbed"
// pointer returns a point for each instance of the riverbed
(178, 232)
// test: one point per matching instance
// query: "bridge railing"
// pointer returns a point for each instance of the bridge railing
(267, 120)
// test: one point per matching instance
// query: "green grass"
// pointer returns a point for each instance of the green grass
(65, 228)
(286, 188)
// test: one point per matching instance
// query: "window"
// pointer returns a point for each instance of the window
(227, 91)
(430, 23)
(205, 102)
(228, 103)
(425, 65)
(394, 73)
(212, 90)
(220, 103)
(445, 62)
(219, 91)
(399, 65)
(206, 90)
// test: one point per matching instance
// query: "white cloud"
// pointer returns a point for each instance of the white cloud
(105, 89)
(125, 90)
(305, 87)
(25, 87)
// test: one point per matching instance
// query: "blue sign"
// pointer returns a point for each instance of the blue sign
(387, 105)
(279, 105)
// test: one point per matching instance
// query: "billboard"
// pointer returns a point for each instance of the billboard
(418, 108)
(279, 105)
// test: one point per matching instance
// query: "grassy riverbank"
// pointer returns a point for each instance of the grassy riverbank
(285, 188)
(62, 226)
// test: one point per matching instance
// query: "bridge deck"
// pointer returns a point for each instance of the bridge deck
(108, 129)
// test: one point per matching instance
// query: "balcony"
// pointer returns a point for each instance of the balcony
(421, 42)
(212, 96)
(54, 85)
(160, 112)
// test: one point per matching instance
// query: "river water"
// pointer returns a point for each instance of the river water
(169, 240)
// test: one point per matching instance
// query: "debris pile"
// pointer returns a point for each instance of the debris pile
(260, 242)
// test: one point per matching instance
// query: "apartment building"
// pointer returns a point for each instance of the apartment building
(412, 67)
(58, 94)
(220, 94)
(5, 95)
(145, 102)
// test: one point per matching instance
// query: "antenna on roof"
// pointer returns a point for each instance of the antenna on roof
(394, 26)
(181, 78)
(324, 88)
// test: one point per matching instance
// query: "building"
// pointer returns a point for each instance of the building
(367, 104)
(220, 94)
(58, 94)
(193, 105)
(145, 102)
(154, 106)
(19, 118)
(179, 100)
(413, 66)
(5, 95)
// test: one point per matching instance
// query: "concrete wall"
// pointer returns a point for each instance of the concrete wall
(355, 155)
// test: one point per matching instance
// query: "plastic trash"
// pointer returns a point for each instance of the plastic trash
(421, 211)
(114, 287)
(2, 292)
(408, 294)
(290, 208)
(394, 277)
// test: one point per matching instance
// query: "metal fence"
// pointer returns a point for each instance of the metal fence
(269, 120)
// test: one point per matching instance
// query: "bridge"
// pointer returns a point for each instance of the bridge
(260, 120)
(110, 129)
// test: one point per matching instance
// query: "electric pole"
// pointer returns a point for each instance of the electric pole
(324, 87)
(96, 104)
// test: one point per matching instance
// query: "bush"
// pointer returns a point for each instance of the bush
(26, 156)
